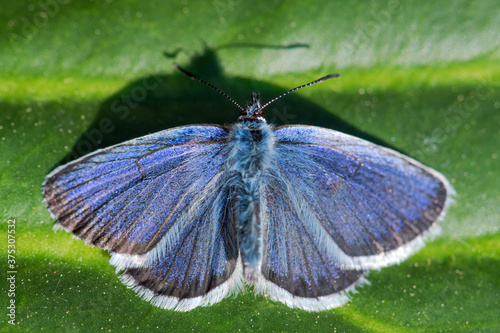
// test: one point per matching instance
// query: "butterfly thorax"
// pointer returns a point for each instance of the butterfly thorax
(249, 160)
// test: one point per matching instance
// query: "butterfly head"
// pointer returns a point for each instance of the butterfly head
(253, 112)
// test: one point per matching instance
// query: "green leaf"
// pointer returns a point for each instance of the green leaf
(419, 77)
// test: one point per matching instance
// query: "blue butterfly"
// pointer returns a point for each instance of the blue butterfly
(192, 214)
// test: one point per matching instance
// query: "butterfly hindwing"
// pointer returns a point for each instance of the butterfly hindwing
(127, 197)
(200, 267)
(296, 269)
(370, 205)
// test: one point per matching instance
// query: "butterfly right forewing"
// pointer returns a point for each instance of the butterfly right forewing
(371, 206)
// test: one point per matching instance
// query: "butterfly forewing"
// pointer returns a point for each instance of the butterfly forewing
(372, 202)
(127, 197)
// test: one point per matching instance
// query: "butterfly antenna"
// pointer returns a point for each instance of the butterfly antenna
(194, 77)
(324, 78)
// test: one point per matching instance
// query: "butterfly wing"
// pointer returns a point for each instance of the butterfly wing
(296, 270)
(200, 267)
(368, 206)
(135, 198)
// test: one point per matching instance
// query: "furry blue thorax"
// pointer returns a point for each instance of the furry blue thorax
(252, 150)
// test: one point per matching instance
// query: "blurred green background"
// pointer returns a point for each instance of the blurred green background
(422, 78)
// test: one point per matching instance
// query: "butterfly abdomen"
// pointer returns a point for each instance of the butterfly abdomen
(253, 148)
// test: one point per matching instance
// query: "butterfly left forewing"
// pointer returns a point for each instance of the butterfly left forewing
(133, 197)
